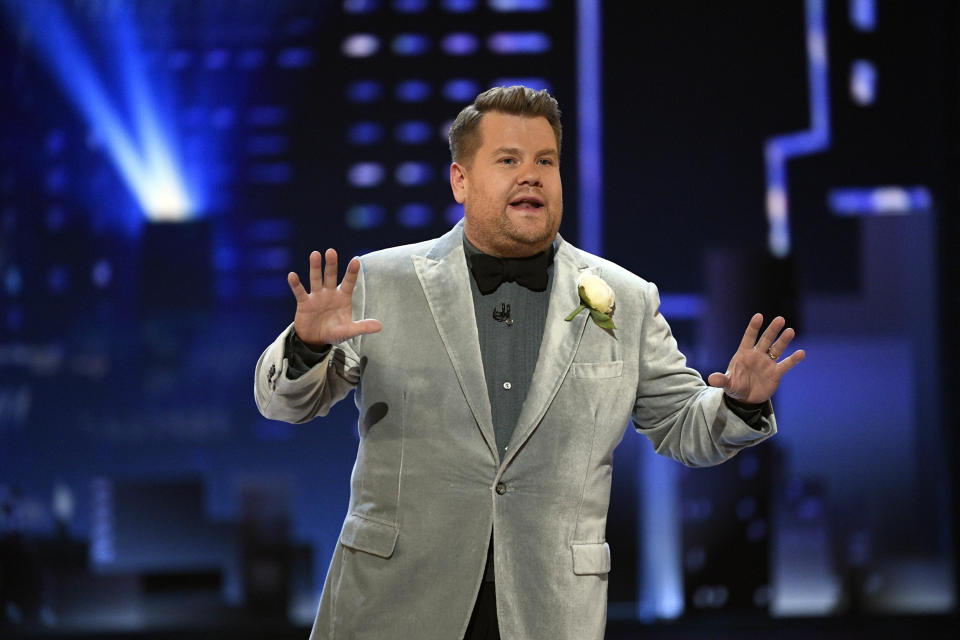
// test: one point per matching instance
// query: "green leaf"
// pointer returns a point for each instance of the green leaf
(602, 320)
(582, 292)
(575, 312)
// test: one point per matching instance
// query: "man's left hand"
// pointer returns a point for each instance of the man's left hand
(754, 371)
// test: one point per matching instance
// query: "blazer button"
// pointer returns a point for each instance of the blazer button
(501, 488)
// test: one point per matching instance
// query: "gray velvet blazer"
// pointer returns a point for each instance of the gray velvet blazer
(428, 485)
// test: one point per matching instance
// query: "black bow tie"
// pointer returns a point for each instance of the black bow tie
(490, 271)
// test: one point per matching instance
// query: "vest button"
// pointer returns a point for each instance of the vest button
(501, 488)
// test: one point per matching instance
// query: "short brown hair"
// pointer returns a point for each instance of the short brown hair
(516, 100)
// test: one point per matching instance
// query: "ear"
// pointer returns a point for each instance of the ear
(458, 182)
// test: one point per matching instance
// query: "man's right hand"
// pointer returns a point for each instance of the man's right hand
(324, 315)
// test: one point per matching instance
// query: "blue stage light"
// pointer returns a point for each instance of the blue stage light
(101, 274)
(459, 6)
(590, 126)
(412, 173)
(409, 6)
(140, 150)
(263, 230)
(56, 142)
(225, 257)
(459, 44)
(269, 258)
(216, 59)
(56, 180)
(863, 14)
(102, 529)
(508, 6)
(779, 149)
(360, 6)
(295, 58)
(682, 306)
(365, 216)
(863, 82)
(251, 59)
(443, 131)
(413, 132)
(12, 280)
(518, 42)
(365, 174)
(415, 214)
(412, 91)
(453, 213)
(360, 45)
(410, 44)
(461, 89)
(364, 91)
(364, 133)
(879, 201)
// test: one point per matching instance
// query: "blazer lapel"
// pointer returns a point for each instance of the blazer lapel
(445, 280)
(559, 345)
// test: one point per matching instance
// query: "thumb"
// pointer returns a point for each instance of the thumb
(368, 326)
(717, 379)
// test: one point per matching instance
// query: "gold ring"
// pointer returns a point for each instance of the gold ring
(772, 355)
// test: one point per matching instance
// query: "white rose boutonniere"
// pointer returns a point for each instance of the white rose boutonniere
(597, 296)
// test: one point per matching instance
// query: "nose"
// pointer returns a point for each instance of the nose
(529, 174)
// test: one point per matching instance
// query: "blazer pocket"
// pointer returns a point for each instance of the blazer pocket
(370, 536)
(597, 369)
(591, 558)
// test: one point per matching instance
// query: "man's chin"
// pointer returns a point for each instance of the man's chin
(533, 240)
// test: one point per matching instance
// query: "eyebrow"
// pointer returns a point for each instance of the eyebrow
(517, 152)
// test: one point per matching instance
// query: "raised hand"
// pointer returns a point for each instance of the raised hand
(754, 372)
(324, 315)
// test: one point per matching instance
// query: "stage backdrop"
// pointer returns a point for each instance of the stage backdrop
(166, 163)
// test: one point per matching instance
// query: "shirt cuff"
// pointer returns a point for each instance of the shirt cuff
(750, 413)
(300, 356)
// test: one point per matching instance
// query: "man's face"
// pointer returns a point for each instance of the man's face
(510, 189)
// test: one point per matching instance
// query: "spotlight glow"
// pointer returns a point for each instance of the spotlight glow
(140, 150)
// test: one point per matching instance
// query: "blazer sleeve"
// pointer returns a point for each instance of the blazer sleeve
(314, 392)
(683, 417)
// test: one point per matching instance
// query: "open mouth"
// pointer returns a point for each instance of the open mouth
(528, 202)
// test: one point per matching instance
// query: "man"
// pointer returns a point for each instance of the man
(489, 411)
